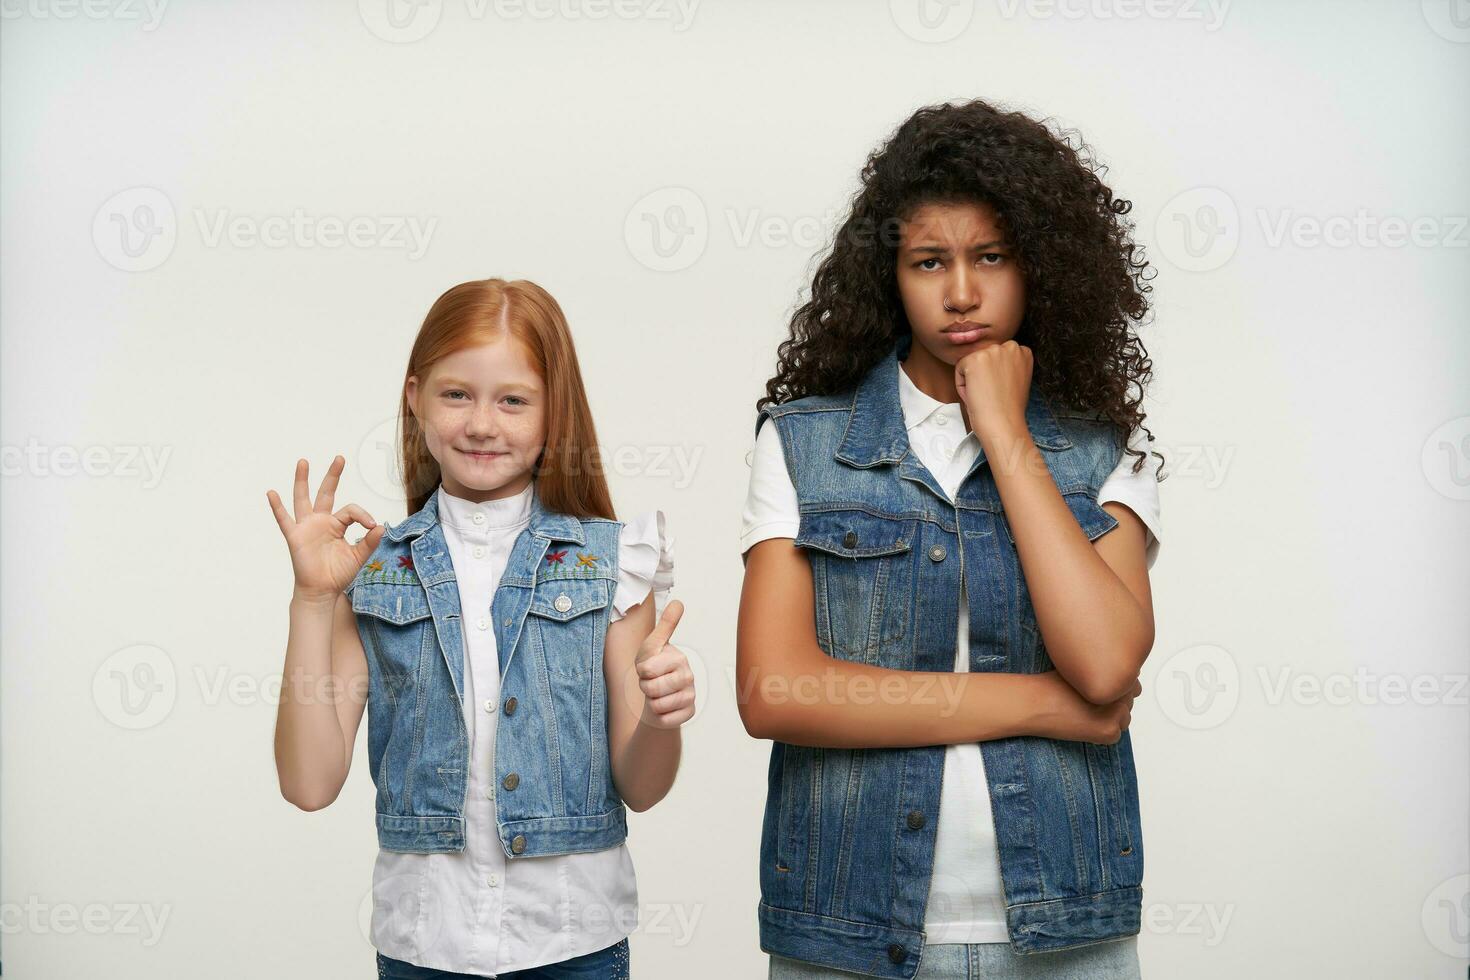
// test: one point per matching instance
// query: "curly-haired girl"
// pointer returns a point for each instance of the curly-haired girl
(947, 541)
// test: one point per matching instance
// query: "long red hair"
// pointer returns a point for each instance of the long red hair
(568, 474)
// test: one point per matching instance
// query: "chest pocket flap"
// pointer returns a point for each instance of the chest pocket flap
(855, 533)
(568, 598)
(397, 604)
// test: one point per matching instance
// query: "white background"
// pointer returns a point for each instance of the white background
(1301, 741)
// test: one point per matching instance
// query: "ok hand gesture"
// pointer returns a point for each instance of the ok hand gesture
(322, 560)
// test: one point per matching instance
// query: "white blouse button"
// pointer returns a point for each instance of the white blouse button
(479, 517)
(489, 704)
(941, 419)
(493, 880)
(563, 602)
(479, 552)
(483, 622)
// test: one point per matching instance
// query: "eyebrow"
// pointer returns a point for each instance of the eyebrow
(941, 250)
(465, 384)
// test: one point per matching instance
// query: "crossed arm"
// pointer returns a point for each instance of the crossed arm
(1092, 599)
(1093, 608)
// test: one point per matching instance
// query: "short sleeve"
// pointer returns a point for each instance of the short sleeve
(1138, 491)
(645, 562)
(771, 509)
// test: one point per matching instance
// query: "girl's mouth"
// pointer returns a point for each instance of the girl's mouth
(967, 334)
(482, 457)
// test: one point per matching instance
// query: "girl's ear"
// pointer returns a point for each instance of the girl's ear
(411, 393)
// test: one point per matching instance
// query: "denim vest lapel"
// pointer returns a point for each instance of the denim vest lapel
(517, 584)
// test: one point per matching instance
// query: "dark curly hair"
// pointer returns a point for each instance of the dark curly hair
(1084, 275)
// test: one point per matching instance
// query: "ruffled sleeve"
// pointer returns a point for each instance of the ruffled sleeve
(645, 561)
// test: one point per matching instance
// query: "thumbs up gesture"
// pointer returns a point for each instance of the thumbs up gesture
(664, 674)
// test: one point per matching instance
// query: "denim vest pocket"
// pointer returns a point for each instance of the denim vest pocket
(1116, 814)
(574, 640)
(396, 617)
(859, 559)
(795, 836)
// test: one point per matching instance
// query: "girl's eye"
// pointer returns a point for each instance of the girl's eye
(517, 399)
(923, 262)
(994, 255)
(451, 394)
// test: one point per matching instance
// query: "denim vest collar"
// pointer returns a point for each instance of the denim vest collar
(876, 433)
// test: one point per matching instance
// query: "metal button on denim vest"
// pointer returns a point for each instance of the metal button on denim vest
(847, 841)
(554, 788)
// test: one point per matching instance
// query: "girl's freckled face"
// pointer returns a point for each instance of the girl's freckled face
(483, 413)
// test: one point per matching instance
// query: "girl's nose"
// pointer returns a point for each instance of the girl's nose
(481, 423)
(963, 292)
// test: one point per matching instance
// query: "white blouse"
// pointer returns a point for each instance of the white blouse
(475, 911)
(966, 902)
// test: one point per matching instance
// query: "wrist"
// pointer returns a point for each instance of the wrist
(1001, 431)
(1042, 704)
(1006, 446)
(312, 601)
(650, 723)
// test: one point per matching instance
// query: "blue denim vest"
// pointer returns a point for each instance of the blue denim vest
(847, 841)
(554, 788)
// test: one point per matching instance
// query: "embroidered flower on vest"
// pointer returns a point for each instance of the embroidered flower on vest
(376, 572)
(556, 568)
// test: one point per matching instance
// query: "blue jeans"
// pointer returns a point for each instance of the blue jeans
(605, 964)
(1113, 960)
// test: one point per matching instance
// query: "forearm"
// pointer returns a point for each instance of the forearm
(309, 745)
(835, 703)
(1094, 629)
(645, 764)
